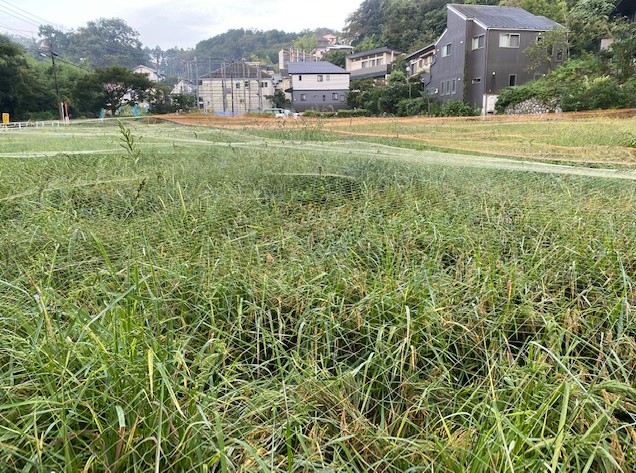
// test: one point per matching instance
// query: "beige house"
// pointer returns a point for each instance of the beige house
(421, 60)
(235, 89)
(371, 64)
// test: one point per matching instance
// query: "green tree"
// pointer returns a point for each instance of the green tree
(279, 99)
(21, 89)
(556, 10)
(306, 42)
(101, 43)
(111, 88)
(339, 58)
(542, 52)
(365, 22)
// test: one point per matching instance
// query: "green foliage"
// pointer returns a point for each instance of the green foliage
(554, 9)
(183, 101)
(306, 42)
(101, 43)
(312, 306)
(541, 53)
(339, 58)
(239, 43)
(513, 96)
(457, 108)
(595, 93)
(110, 88)
(21, 88)
(412, 107)
(577, 85)
(279, 99)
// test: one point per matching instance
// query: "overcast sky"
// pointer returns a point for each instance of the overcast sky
(181, 23)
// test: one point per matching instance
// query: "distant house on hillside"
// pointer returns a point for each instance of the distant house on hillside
(183, 87)
(235, 89)
(371, 64)
(317, 85)
(482, 51)
(152, 74)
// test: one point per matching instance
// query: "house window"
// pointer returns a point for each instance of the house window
(200, 82)
(238, 85)
(319, 77)
(443, 91)
(303, 97)
(247, 84)
(509, 40)
(300, 78)
(453, 87)
(478, 42)
(324, 98)
(365, 64)
(512, 80)
(447, 49)
(476, 80)
(335, 96)
(263, 84)
(342, 97)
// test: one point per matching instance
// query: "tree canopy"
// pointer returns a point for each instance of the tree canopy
(110, 88)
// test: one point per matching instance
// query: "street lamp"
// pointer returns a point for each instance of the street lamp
(408, 73)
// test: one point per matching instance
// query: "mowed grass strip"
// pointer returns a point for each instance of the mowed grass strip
(224, 308)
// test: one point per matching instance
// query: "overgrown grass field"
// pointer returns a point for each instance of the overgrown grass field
(198, 299)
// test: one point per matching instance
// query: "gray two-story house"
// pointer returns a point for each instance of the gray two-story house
(317, 85)
(483, 50)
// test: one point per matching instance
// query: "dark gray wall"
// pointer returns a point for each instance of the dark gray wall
(449, 68)
(315, 100)
(473, 69)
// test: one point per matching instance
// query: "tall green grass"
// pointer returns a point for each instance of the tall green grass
(224, 308)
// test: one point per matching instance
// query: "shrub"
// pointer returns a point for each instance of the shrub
(456, 108)
(412, 107)
(597, 93)
(513, 96)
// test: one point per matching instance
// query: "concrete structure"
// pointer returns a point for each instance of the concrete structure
(317, 85)
(235, 89)
(482, 51)
(371, 64)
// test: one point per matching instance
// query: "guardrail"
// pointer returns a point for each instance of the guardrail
(31, 124)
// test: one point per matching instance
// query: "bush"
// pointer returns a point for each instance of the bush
(456, 108)
(598, 93)
(513, 96)
(412, 107)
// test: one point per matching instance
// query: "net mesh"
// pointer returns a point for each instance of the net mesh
(243, 300)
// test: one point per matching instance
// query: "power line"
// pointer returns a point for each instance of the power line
(28, 13)
(18, 16)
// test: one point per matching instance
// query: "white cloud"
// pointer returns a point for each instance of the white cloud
(170, 23)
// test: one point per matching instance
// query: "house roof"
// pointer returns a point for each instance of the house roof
(496, 17)
(237, 70)
(372, 52)
(315, 67)
(419, 52)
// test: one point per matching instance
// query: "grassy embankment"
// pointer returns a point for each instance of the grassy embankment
(207, 300)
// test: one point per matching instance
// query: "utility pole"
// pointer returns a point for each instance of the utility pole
(196, 73)
(57, 85)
